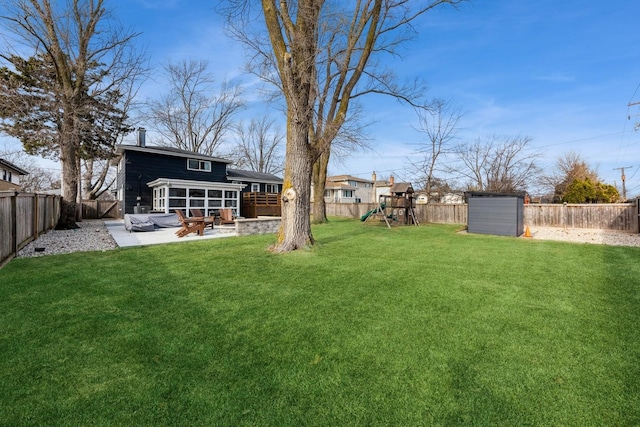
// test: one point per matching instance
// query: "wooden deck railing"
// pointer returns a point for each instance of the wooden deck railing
(257, 204)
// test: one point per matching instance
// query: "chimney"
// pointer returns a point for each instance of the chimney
(141, 137)
(392, 181)
(373, 187)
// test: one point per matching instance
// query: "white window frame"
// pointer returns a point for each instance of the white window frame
(230, 196)
(255, 187)
(203, 165)
(271, 188)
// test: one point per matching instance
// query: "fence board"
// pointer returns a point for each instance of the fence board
(616, 216)
(97, 209)
(22, 217)
(6, 227)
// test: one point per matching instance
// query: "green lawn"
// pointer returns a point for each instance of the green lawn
(414, 326)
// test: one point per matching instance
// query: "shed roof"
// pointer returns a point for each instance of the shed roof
(468, 194)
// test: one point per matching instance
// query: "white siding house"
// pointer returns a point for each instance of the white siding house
(348, 189)
(10, 175)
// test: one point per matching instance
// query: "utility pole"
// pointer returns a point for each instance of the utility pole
(624, 188)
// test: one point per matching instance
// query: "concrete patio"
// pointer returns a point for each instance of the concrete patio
(125, 238)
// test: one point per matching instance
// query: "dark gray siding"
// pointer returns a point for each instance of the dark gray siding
(500, 215)
(141, 168)
(263, 186)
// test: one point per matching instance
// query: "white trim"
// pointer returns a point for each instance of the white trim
(193, 183)
(200, 163)
(187, 185)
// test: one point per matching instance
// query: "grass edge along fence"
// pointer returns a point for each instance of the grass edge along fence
(23, 216)
(610, 216)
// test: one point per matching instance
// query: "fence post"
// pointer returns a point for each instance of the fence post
(36, 211)
(14, 223)
(637, 215)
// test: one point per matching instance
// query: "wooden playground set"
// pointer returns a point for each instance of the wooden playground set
(397, 208)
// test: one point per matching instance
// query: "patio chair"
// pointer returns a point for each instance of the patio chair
(189, 225)
(208, 220)
(226, 216)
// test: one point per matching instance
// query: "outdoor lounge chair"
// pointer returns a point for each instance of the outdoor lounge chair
(189, 225)
(208, 220)
(226, 216)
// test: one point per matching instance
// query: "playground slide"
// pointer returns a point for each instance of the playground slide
(368, 214)
(371, 212)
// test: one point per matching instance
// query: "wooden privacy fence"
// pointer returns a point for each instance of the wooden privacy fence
(98, 209)
(617, 216)
(23, 216)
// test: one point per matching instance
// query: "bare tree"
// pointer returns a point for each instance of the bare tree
(321, 51)
(98, 176)
(195, 114)
(439, 124)
(498, 164)
(259, 146)
(569, 166)
(84, 55)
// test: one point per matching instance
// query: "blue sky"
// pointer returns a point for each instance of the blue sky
(560, 72)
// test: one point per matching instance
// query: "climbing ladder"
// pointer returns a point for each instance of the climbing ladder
(412, 214)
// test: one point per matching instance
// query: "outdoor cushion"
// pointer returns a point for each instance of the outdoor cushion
(142, 226)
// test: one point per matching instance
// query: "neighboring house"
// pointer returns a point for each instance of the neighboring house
(422, 198)
(163, 179)
(337, 192)
(382, 187)
(452, 198)
(10, 175)
(447, 198)
(348, 189)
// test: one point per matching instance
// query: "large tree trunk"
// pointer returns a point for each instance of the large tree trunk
(295, 230)
(319, 183)
(69, 163)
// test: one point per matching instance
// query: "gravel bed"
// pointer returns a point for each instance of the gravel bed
(586, 235)
(91, 236)
(94, 236)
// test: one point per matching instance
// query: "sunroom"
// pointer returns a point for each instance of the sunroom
(172, 194)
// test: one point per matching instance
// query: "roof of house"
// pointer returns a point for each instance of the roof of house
(240, 175)
(169, 151)
(402, 187)
(252, 176)
(347, 178)
(10, 165)
(339, 186)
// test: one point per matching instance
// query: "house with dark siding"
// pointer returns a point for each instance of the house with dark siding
(163, 179)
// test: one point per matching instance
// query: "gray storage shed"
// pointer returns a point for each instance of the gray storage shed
(495, 213)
